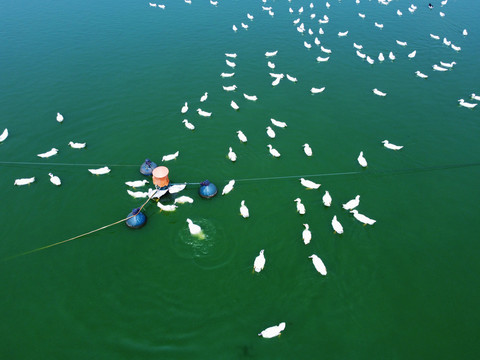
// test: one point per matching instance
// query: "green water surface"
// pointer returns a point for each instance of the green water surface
(120, 71)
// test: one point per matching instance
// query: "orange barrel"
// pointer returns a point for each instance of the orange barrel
(160, 176)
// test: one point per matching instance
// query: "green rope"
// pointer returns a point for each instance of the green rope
(79, 236)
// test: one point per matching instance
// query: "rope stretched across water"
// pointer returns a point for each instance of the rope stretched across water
(59, 164)
(369, 173)
(392, 172)
(81, 235)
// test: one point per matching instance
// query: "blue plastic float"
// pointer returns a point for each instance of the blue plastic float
(207, 190)
(147, 167)
(137, 219)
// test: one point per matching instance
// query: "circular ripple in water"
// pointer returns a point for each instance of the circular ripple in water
(212, 251)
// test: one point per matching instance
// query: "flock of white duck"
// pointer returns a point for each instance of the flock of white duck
(350, 206)
(444, 66)
(55, 180)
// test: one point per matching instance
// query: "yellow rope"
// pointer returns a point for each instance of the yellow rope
(82, 235)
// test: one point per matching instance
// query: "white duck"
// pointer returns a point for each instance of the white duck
(183, 199)
(137, 183)
(230, 63)
(231, 55)
(24, 181)
(137, 194)
(438, 68)
(170, 156)
(259, 262)
(315, 90)
(361, 160)
(4, 135)
(378, 92)
(475, 97)
(176, 188)
(273, 152)
(59, 117)
(231, 155)
(421, 75)
(276, 81)
(435, 37)
(381, 57)
(273, 331)
(448, 65)
(228, 187)
(167, 208)
(337, 227)
(74, 145)
(100, 171)
(344, 33)
(391, 56)
(230, 88)
(203, 113)
(227, 75)
(307, 149)
(412, 54)
(250, 97)
(271, 53)
(270, 132)
(325, 50)
(468, 105)
(401, 43)
(318, 263)
(390, 146)
(234, 105)
(184, 108)
(360, 54)
(357, 46)
(309, 184)
(292, 78)
(352, 204)
(464, 32)
(456, 48)
(300, 206)
(278, 123)
(306, 234)
(362, 218)
(234, 28)
(49, 153)
(322, 59)
(327, 199)
(244, 210)
(241, 136)
(195, 230)
(188, 124)
(204, 97)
